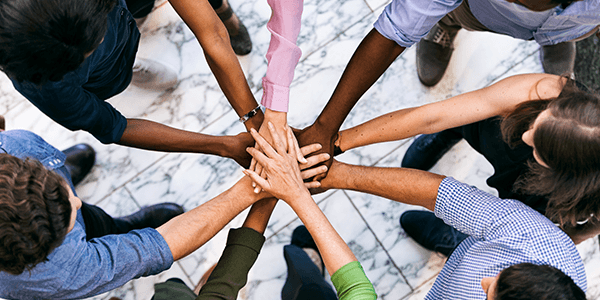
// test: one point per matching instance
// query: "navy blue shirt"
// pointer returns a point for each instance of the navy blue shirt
(78, 100)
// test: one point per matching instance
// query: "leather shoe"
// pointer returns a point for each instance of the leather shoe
(430, 232)
(79, 162)
(427, 149)
(433, 54)
(151, 216)
(559, 59)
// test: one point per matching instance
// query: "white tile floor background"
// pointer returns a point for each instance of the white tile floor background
(124, 179)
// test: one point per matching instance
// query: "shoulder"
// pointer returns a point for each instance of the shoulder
(547, 87)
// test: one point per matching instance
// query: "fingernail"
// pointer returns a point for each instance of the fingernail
(257, 190)
(327, 154)
(253, 184)
(252, 130)
(271, 125)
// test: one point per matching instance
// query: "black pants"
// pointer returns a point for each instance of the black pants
(98, 223)
(141, 8)
(304, 281)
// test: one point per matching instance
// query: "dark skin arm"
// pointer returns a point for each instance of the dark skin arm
(150, 135)
(372, 57)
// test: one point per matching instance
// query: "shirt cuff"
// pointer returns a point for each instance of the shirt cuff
(246, 237)
(275, 97)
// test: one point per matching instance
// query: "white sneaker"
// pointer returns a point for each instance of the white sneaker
(150, 74)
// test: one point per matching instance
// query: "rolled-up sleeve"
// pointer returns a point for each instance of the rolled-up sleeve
(283, 54)
(75, 108)
(408, 21)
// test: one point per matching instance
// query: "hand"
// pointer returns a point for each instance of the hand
(237, 149)
(283, 177)
(312, 134)
(279, 121)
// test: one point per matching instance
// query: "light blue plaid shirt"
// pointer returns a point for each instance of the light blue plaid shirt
(408, 21)
(502, 233)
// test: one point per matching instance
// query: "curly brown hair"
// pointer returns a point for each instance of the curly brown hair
(568, 142)
(35, 213)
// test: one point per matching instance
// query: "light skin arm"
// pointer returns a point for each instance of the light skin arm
(285, 182)
(495, 100)
(214, 39)
(189, 231)
(149, 135)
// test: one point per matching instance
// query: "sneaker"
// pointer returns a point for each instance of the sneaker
(152, 75)
(559, 59)
(151, 216)
(430, 232)
(433, 54)
(238, 33)
(79, 162)
(427, 149)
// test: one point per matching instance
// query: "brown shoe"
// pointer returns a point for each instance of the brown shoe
(204, 279)
(433, 54)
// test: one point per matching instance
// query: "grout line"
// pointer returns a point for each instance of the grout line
(378, 241)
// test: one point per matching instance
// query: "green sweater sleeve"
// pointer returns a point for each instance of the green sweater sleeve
(351, 283)
(231, 272)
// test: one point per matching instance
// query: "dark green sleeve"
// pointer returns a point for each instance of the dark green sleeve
(231, 272)
(351, 283)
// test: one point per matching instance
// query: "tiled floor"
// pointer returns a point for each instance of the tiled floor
(125, 179)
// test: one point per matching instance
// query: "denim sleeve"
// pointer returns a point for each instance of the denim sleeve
(408, 21)
(70, 105)
(485, 216)
(108, 262)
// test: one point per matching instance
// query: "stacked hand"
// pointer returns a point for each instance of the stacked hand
(283, 178)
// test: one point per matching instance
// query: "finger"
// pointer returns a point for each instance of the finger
(260, 157)
(308, 149)
(264, 145)
(312, 184)
(277, 142)
(260, 181)
(313, 172)
(315, 160)
(294, 148)
(263, 174)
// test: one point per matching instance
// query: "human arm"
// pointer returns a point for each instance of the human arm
(495, 100)
(214, 40)
(149, 135)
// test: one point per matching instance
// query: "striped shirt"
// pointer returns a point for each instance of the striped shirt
(502, 233)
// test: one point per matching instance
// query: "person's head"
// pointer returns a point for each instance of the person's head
(542, 5)
(42, 40)
(37, 210)
(565, 136)
(529, 281)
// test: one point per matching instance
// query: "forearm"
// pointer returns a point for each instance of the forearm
(258, 217)
(333, 249)
(408, 186)
(189, 231)
(214, 39)
(150, 135)
(372, 57)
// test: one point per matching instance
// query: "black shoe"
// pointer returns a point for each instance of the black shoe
(430, 232)
(433, 54)
(302, 238)
(238, 34)
(427, 149)
(559, 59)
(151, 216)
(79, 162)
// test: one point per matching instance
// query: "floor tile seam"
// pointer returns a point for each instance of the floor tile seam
(420, 286)
(296, 218)
(369, 6)
(336, 36)
(512, 67)
(391, 151)
(379, 241)
(134, 177)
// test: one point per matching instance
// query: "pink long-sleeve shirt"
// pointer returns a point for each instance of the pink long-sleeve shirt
(283, 54)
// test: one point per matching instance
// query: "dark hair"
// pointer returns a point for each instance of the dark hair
(528, 281)
(35, 213)
(568, 142)
(42, 40)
